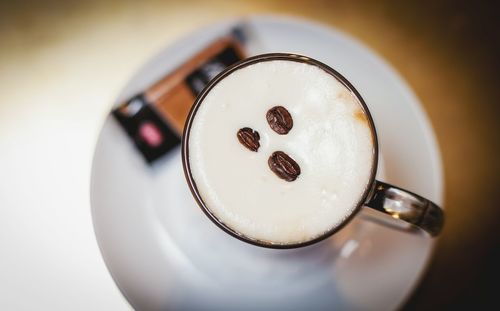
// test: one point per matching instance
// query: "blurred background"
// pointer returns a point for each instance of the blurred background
(63, 62)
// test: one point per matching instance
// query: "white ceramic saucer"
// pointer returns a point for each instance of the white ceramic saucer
(165, 254)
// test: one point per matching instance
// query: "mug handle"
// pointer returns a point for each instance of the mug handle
(407, 206)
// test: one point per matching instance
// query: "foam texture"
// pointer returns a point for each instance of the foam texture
(331, 140)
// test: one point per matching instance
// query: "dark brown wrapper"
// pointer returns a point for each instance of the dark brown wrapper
(154, 119)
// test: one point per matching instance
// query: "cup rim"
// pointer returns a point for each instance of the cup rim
(199, 100)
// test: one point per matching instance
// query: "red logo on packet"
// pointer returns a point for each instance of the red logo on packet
(150, 134)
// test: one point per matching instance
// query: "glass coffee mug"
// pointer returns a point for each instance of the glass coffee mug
(404, 208)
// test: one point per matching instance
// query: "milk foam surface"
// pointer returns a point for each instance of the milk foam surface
(331, 141)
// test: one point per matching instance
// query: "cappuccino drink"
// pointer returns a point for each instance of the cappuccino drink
(280, 152)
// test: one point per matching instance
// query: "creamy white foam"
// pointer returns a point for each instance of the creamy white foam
(331, 141)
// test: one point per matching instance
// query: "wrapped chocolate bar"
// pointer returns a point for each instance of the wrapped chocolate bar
(155, 118)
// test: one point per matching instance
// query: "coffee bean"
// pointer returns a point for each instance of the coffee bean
(249, 138)
(279, 120)
(284, 166)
